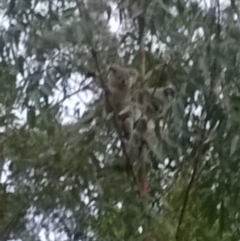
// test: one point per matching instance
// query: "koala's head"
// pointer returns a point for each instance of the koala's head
(123, 77)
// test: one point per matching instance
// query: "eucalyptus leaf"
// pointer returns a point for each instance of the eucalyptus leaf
(234, 144)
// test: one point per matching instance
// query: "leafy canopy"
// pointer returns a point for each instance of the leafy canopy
(63, 170)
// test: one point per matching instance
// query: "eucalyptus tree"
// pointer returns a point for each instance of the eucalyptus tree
(65, 174)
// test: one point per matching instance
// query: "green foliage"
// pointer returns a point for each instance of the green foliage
(70, 180)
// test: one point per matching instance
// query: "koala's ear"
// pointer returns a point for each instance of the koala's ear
(134, 73)
(113, 68)
(109, 69)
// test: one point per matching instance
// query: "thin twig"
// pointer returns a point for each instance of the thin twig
(189, 187)
(199, 151)
(143, 58)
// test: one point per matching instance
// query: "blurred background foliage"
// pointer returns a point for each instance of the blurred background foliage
(61, 166)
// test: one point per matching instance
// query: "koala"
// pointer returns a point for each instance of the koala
(152, 102)
(164, 94)
(119, 85)
(143, 136)
(159, 100)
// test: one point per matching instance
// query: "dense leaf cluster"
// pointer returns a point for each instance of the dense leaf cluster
(68, 180)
